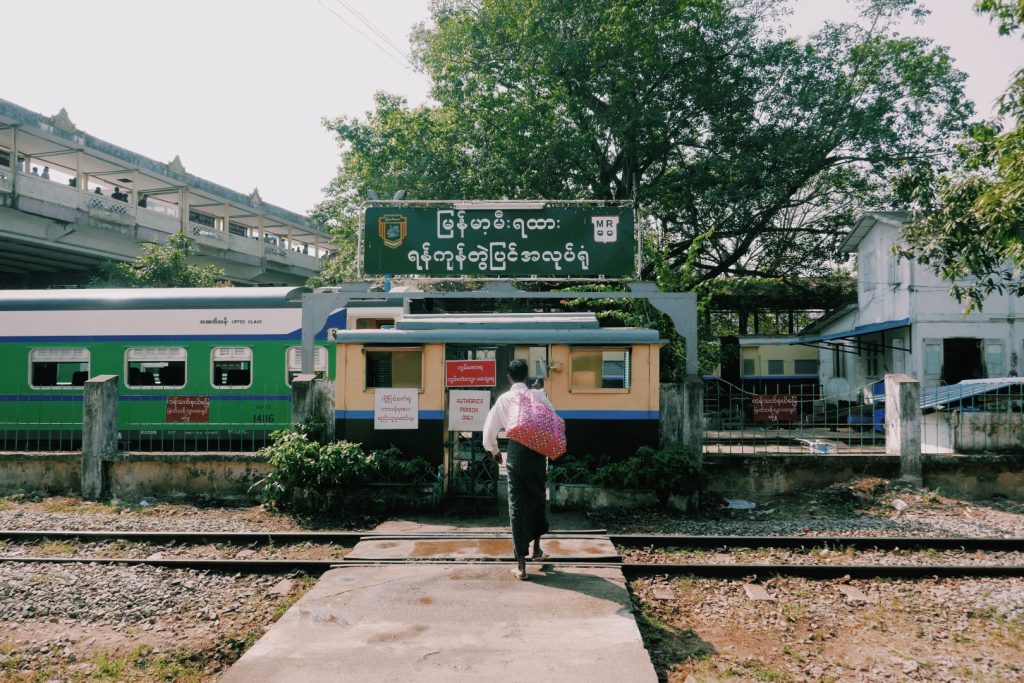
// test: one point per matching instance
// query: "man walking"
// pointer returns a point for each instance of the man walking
(527, 472)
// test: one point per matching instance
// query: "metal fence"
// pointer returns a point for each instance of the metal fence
(787, 418)
(33, 422)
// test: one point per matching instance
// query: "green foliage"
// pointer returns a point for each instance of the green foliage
(968, 222)
(160, 265)
(310, 475)
(674, 470)
(748, 153)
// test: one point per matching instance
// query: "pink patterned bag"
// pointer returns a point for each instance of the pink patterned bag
(536, 426)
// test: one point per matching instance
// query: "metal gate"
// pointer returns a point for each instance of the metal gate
(788, 419)
(472, 472)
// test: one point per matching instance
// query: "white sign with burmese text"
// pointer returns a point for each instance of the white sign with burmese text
(467, 410)
(396, 408)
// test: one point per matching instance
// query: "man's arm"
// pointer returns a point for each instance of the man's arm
(492, 425)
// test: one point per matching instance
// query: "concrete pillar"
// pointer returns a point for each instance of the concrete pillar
(99, 431)
(903, 425)
(682, 414)
(313, 400)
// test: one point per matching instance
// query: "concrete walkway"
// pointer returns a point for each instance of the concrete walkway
(471, 621)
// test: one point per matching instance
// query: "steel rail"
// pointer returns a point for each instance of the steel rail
(629, 569)
(989, 543)
(344, 538)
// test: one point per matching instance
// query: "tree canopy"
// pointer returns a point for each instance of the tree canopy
(747, 151)
(160, 265)
(969, 223)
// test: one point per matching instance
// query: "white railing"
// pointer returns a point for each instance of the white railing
(47, 190)
(107, 209)
(156, 220)
(275, 251)
(244, 245)
(205, 233)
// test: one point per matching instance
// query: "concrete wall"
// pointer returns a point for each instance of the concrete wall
(223, 477)
(50, 472)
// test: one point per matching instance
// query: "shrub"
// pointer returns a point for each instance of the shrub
(668, 471)
(310, 475)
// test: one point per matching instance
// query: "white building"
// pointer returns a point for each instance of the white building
(906, 322)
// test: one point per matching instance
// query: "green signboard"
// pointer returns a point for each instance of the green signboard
(443, 240)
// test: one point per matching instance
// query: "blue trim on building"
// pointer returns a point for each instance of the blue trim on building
(213, 397)
(368, 414)
(609, 414)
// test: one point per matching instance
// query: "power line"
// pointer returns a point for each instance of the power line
(401, 62)
(383, 36)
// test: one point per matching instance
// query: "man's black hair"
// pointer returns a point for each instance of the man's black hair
(518, 370)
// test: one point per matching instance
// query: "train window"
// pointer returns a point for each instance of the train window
(293, 362)
(749, 367)
(232, 367)
(58, 368)
(148, 368)
(600, 369)
(776, 367)
(394, 368)
(375, 323)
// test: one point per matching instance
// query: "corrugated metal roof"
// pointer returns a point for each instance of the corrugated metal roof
(934, 397)
(858, 331)
(508, 321)
(601, 335)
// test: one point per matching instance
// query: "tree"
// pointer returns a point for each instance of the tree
(968, 224)
(749, 153)
(160, 265)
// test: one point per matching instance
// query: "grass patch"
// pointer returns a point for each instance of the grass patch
(57, 548)
(77, 506)
(760, 672)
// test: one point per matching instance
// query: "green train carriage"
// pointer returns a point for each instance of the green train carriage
(198, 369)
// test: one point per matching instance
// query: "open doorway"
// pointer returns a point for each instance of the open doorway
(961, 359)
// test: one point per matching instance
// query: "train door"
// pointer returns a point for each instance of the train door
(472, 472)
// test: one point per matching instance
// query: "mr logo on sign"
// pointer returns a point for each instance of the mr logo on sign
(392, 229)
(606, 228)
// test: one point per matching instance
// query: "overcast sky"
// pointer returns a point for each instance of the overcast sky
(238, 87)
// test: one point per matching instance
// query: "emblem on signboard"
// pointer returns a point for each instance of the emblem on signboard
(606, 228)
(393, 229)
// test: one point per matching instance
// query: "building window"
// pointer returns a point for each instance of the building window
(232, 367)
(599, 369)
(805, 366)
(293, 362)
(394, 368)
(156, 367)
(838, 363)
(867, 271)
(749, 367)
(58, 368)
(873, 360)
(994, 358)
(776, 367)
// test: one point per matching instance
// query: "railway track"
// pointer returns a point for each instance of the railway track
(630, 569)
(350, 538)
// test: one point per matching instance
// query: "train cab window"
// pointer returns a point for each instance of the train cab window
(58, 368)
(600, 369)
(231, 367)
(776, 367)
(155, 367)
(394, 368)
(375, 323)
(293, 362)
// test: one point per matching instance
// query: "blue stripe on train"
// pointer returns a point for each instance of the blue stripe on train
(77, 396)
(42, 397)
(564, 414)
(368, 414)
